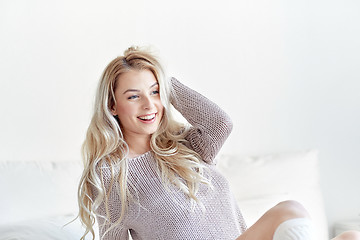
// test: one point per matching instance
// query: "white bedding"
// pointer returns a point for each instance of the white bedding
(33, 191)
(50, 228)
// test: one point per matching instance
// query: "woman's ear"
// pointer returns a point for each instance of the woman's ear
(112, 108)
(113, 111)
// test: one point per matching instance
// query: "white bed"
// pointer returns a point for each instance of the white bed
(39, 198)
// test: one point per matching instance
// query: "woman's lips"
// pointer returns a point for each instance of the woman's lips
(149, 118)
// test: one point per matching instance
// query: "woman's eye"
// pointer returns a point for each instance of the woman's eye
(133, 97)
(155, 92)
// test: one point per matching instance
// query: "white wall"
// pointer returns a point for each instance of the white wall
(286, 71)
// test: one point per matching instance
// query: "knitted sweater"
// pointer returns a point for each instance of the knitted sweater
(167, 213)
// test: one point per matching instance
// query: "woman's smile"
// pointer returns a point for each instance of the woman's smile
(149, 118)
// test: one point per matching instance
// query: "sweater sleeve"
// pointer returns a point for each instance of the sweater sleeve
(210, 124)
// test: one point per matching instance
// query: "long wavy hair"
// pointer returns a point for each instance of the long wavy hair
(105, 144)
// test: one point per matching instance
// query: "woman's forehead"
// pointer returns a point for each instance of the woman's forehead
(136, 79)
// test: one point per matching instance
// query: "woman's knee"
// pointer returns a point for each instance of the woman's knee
(266, 226)
(288, 210)
(349, 235)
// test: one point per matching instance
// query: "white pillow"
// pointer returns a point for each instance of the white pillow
(31, 190)
(50, 228)
(260, 182)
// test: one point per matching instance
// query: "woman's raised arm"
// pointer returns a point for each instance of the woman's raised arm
(211, 125)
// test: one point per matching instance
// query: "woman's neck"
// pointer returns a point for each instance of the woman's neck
(138, 145)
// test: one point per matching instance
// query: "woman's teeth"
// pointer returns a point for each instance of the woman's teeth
(147, 117)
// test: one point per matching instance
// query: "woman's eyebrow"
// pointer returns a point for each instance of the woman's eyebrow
(136, 90)
(131, 90)
(154, 85)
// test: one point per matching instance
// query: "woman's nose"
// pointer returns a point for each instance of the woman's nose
(148, 102)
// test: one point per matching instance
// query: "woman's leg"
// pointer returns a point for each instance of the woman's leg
(349, 235)
(266, 226)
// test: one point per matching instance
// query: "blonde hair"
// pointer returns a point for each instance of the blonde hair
(105, 144)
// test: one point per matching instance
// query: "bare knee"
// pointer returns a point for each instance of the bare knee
(266, 226)
(288, 210)
(348, 235)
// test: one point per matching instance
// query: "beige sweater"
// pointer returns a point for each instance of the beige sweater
(160, 213)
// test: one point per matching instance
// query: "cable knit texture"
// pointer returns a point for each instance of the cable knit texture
(158, 212)
(295, 229)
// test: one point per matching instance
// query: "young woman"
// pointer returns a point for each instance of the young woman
(149, 176)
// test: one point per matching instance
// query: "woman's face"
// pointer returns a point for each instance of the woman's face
(138, 104)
